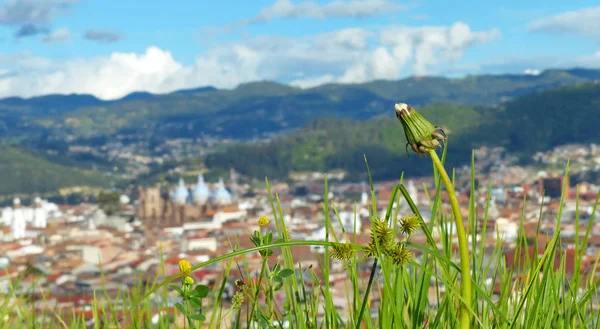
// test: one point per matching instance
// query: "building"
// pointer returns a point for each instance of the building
(552, 186)
(183, 205)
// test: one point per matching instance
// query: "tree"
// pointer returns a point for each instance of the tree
(109, 202)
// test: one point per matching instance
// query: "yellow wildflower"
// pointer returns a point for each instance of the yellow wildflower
(185, 267)
(263, 221)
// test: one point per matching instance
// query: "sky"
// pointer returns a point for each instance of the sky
(110, 48)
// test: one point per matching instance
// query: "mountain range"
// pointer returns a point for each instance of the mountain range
(324, 127)
(260, 109)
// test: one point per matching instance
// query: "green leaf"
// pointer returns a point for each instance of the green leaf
(195, 302)
(277, 278)
(197, 316)
(181, 308)
(280, 240)
(176, 288)
(201, 291)
(286, 272)
(269, 237)
(277, 286)
(276, 268)
(255, 240)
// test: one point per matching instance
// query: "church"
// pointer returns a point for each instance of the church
(18, 217)
(185, 205)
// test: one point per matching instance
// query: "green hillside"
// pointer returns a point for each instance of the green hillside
(535, 122)
(256, 109)
(325, 127)
(340, 143)
(24, 172)
(544, 120)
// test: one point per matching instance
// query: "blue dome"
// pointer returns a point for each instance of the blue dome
(221, 195)
(201, 192)
(181, 193)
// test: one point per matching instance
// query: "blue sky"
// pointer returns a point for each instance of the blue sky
(110, 48)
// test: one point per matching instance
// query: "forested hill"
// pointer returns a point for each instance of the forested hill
(530, 123)
(259, 108)
(325, 127)
(25, 172)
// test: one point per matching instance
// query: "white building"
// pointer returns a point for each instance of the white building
(348, 221)
(412, 192)
(18, 224)
(40, 214)
(17, 216)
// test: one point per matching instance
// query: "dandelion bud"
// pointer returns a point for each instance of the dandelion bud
(421, 135)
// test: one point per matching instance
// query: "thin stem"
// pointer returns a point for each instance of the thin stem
(364, 303)
(260, 276)
(187, 309)
(234, 254)
(465, 269)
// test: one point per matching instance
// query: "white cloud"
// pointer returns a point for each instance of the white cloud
(337, 8)
(426, 47)
(57, 36)
(584, 21)
(519, 64)
(105, 77)
(346, 56)
(311, 82)
(282, 9)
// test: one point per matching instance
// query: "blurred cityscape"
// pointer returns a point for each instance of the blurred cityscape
(64, 248)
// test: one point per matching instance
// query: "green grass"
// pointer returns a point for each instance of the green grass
(378, 292)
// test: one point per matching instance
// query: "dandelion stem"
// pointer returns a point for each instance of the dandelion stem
(364, 303)
(465, 269)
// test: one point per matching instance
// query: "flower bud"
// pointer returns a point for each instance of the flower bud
(421, 135)
(188, 280)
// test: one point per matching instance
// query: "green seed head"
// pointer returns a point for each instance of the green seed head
(342, 251)
(382, 235)
(421, 135)
(409, 224)
(400, 254)
(237, 300)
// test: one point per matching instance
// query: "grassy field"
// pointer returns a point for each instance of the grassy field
(388, 279)
(385, 290)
